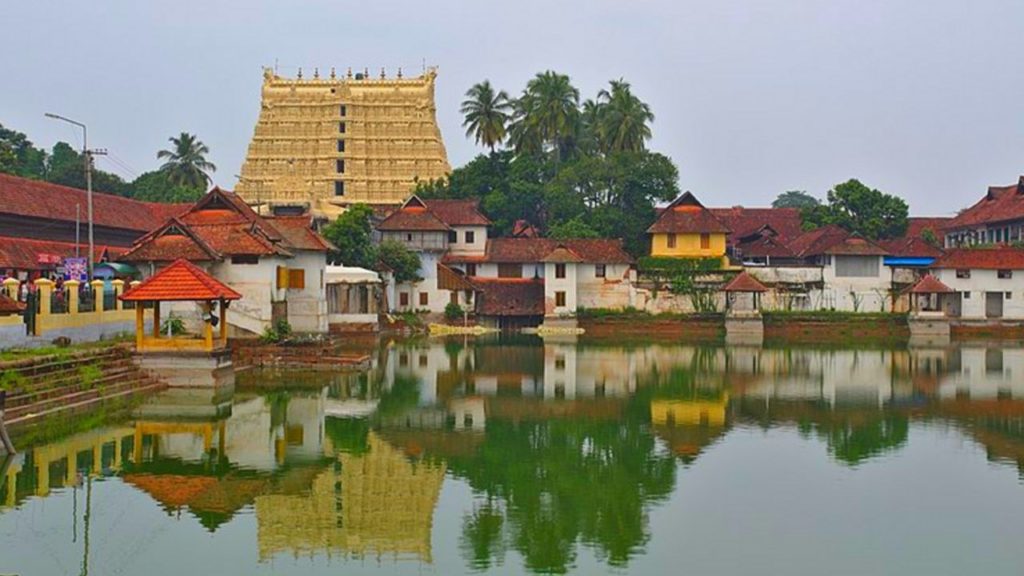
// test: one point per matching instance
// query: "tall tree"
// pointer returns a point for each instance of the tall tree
(186, 163)
(486, 114)
(858, 208)
(623, 120)
(795, 199)
(19, 156)
(352, 236)
(548, 113)
(154, 186)
(66, 166)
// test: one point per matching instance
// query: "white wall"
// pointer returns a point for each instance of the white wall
(552, 284)
(980, 282)
(460, 246)
(614, 291)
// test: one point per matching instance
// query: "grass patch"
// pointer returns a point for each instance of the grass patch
(630, 313)
(776, 316)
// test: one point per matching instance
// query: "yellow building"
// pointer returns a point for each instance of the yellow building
(686, 229)
(323, 143)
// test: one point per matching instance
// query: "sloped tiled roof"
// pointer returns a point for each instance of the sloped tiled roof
(37, 199)
(744, 282)
(181, 280)
(1000, 204)
(910, 247)
(562, 255)
(686, 215)
(297, 232)
(412, 219)
(9, 306)
(523, 229)
(766, 246)
(994, 258)
(832, 239)
(930, 285)
(458, 212)
(916, 225)
(24, 253)
(743, 222)
(525, 250)
(510, 297)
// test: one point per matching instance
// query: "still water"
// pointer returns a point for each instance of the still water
(514, 455)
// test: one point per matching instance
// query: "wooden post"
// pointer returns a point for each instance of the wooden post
(71, 295)
(156, 319)
(97, 294)
(140, 325)
(223, 323)
(118, 285)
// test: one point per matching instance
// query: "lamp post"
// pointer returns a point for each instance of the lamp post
(88, 154)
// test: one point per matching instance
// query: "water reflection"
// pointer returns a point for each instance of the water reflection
(563, 447)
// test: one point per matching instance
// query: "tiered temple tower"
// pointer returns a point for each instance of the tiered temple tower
(324, 143)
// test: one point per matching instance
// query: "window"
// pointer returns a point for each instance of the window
(470, 236)
(963, 273)
(559, 299)
(245, 259)
(296, 279)
(559, 270)
(599, 271)
(403, 359)
(1008, 295)
(671, 240)
(424, 299)
(559, 362)
(705, 241)
(471, 269)
(510, 270)
(422, 361)
(341, 166)
(342, 111)
(403, 299)
(339, 188)
(1005, 274)
(967, 295)
(453, 236)
(857, 266)
(341, 127)
(408, 237)
(453, 297)
(341, 145)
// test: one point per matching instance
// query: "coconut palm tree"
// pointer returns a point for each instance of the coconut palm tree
(486, 114)
(623, 120)
(548, 112)
(186, 163)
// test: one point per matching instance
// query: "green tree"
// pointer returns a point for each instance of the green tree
(155, 186)
(186, 162)
(66, 166)
(795, 199)
(623, 120)
(860, 209)
(400, 260)
(352, 235)
(547, 116)
(19, 156)
(486, 114)
(575, 227)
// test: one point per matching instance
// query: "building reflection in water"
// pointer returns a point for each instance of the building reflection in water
(562, 444)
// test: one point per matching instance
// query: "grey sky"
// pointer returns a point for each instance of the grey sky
(924, 99)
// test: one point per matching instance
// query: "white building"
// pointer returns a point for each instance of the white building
(988, 283)
(277, 263)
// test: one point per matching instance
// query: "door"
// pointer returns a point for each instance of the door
(993, 304)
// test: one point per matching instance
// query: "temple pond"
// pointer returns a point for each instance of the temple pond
(515, 455)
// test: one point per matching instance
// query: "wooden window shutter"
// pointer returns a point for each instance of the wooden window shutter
(282, 277)
(297, 278)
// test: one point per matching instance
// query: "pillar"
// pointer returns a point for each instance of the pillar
(208, 335)
(224, 323)
(140, 325)
(71, 295)
(156, 319)
(44, 289)
(118, 285)
(97, 294)
(11, 286)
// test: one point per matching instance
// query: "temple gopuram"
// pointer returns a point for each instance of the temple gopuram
(324, 143)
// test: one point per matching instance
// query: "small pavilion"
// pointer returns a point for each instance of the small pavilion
(743, 284)
(926, 295)
(181, 281)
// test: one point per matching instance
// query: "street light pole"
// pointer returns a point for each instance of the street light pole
(87, 154)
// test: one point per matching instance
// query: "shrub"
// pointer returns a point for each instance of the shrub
(174, 324)
(11, 380)
(277, 332)
(90, 374)
(453, 312)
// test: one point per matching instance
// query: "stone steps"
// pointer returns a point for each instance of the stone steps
(81, 406)
(75, 394)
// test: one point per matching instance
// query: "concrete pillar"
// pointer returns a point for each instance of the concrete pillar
(44, 289)
(118, 285)
(71, 295)
(224, 323)
(156, 319)
(97, 294)
(11, 286)
(140, 326)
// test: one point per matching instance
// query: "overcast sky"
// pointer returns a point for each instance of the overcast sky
(924, 98)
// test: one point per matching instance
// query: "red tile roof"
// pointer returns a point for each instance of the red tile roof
(766, 246)
(686, 215)
(458, 212)
(744, 282)
(9, 306)
(510, 297)
(743, 222)
(832, 239)
(26, 253)
(910, 247)
(181, 280)
(916, 225)
(525, 250)
(994, 258)
(523, 229)
(1000, 204)
(37, 199)
(562, 255)
(412, 219)
(298, 233)
(930, 285)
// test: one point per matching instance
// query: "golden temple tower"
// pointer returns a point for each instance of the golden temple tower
(324, 143)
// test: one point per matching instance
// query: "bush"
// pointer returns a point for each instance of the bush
(11, 380)
(277, 332)
(90, 374)
(176, 325)
(453, 312)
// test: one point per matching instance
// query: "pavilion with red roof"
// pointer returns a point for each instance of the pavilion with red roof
(744, 283)
(181, 281)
